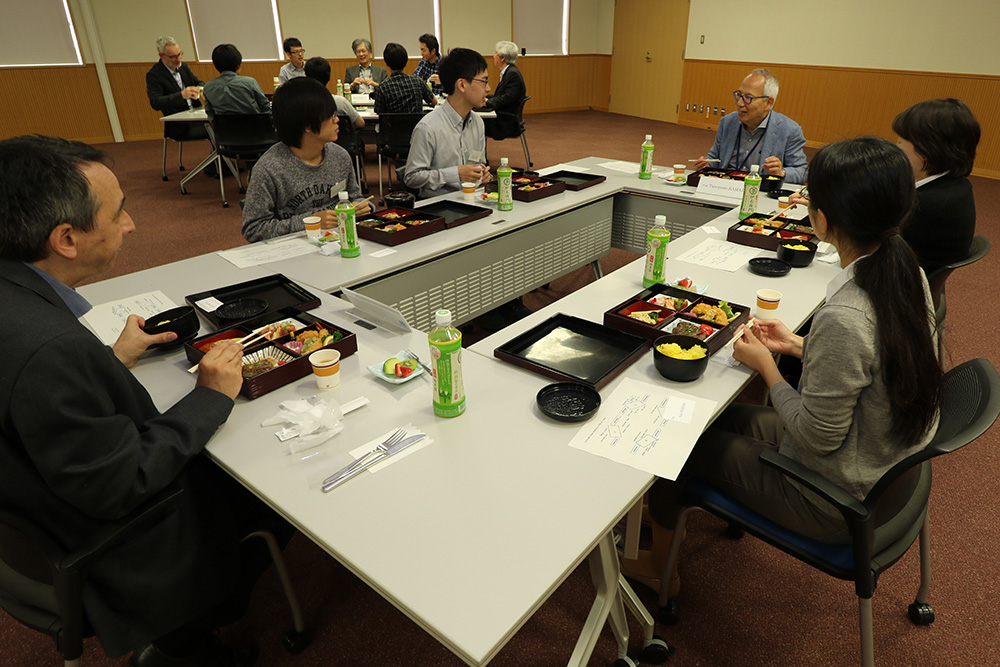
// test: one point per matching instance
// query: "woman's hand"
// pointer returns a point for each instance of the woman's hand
(776, 337)
(752, 352)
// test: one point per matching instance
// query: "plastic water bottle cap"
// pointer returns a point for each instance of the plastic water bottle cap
(442, 318)
(343, 195)
(503, 162)
(649, 137)
(660, 221)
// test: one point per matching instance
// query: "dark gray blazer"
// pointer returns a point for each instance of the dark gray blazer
(162, 90)
(379, 74)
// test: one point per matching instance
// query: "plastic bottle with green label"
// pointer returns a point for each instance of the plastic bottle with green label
(646, 161)
(751, 188)
(347, 227)
(505, 201)
(657, 239)
(446, 361)
(340, 87)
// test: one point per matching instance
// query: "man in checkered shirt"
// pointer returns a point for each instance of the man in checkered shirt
(401, 92)
(430, 57)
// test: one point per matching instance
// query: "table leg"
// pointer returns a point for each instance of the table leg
(197, 170)
(604, 571)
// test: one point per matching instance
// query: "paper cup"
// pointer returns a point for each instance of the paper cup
(326, 368)
(312, 224)
(767, 299)
(783, 202)
(469, 190)
(679, 169)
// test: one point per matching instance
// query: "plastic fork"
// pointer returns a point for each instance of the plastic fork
(409, 355)
(396, 436)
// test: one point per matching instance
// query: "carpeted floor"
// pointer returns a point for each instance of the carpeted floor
(743, 603)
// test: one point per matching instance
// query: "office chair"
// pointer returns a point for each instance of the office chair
(393, 140)
(241, 137)
(496, 133)
(181, 132)
(349, 139)
(41, 585)
(979, 248)
(970, 404)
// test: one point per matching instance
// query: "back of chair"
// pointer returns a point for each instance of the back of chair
(395, 129)
(239, 134)
(520, 111)
(980, 246)
(347, 136)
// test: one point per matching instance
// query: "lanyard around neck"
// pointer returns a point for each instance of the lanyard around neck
(739, 138)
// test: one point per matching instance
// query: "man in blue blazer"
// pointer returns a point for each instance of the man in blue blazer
(755, 134)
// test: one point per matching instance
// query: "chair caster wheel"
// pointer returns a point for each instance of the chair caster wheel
(243, 191)
(626, 662)
(921, 613)
(225, 204)
(668, 614)
(296, 642)
(184, 191)
(165, 178)
(735, 532)
(181, 168)
(657, 651)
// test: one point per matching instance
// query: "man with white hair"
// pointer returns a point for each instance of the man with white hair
(170, 83)
(509, 93)
(754, 134)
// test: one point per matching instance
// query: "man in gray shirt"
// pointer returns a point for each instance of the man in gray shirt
(231, 93)
(448, 145)
(296, 60)
(302, 175)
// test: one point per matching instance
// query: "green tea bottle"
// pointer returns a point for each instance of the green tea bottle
(646, 161)
(657, 239)
(347, 227)
(446, 361)
(505, 202)
(340, 87)
(751, 187)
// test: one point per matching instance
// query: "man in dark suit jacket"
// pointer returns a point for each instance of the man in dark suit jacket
(366, 76)
(81, 442)
(171, 87)
(509, 93)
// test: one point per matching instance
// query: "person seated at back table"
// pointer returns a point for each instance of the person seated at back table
(940, 137)
(319, 69)
(507, 98)
(303, 174)
(755, 134)
(364, 77)
(430, 58)
(296, 55)
(448, 145)
(230, 93)
(401, 92)
(171, 86)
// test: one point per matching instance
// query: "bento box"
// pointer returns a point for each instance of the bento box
(757, 232)
(767, 181)
(664, 309)
(531, 188)
(282, 356)
(398, 225)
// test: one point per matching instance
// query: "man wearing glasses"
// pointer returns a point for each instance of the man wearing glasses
(170, 84)
(757, 135)
(448, 146)
(296, 60)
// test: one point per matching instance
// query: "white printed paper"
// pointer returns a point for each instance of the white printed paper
(261, 253)
(630, 428)
(108, 319)
(208, 304)
(709, 229)
(568, 167)
(679, 409)
(629, 167)
(719, 254)
(383, 253)
(720, 187)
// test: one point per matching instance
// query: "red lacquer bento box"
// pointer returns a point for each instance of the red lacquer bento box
(757, 232)
(767, 181)
(282, 357)
(663, 309)
(398, 225)
(531, 188)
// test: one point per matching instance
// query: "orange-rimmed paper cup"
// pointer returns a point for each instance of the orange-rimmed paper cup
(767, 299)
(326, 368)
(312, 225)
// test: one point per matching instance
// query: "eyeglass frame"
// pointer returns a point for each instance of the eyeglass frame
(737, 96)
(179, 54)
(485, 82)
(297, 52)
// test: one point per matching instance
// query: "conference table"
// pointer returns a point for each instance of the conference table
(469, 534)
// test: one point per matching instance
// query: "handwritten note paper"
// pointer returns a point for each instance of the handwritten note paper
(108, 319)
(646, 426)
(719, 254)
(262, 253)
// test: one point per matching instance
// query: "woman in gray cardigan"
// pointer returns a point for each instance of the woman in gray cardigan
(869, 392)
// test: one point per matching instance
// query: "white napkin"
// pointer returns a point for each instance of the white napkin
(410, 429)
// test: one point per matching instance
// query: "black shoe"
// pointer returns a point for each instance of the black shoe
(213, 654)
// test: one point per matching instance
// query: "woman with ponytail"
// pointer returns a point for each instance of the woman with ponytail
(869, 392)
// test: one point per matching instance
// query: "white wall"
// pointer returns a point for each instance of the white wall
(959, 36)
(591, 26)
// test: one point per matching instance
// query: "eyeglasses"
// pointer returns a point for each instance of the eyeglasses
(174, 57)
(485, 82)
(297, 52)
(747, 99)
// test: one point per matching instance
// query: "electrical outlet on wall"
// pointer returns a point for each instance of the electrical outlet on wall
(701, 108)
(715, 111)
(723, 111)
(687, 107)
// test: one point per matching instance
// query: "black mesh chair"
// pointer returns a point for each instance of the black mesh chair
(499, 129)
(970, 405)
(393, 140)
(350, 140)
(181, 132)
(243, 138)
(41, 585)
(979, 248)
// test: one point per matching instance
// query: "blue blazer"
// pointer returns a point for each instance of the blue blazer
(783, 139)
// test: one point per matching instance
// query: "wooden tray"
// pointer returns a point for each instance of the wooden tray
(454, 213)
(616, 318)
(404, 217)
(277, 291)
(575, 180)
(766, 241)
(605, 352)
(298, 367)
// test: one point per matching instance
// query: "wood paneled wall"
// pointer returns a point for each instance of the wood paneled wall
(67, 101)
(833, 103)
(60, 101)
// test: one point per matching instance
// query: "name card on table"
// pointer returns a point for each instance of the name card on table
(720, 187)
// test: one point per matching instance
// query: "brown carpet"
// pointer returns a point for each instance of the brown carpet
(743, 602)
